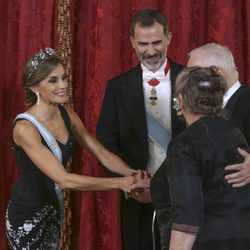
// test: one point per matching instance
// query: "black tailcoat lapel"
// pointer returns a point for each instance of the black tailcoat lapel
(132, 91)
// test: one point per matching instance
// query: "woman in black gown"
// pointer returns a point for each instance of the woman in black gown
(195, 207)
(43, 140)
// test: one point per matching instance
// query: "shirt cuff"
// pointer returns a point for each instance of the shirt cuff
(185, 228)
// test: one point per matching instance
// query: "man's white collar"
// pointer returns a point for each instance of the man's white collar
(159, 74)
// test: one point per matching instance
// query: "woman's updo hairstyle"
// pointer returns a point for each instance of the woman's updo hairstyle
(202, 90)
(36, 69)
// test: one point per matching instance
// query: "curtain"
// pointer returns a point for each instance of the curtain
(100, 50)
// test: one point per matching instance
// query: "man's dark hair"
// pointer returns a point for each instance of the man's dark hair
(147, 18)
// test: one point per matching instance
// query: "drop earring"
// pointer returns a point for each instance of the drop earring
(38, 98)
(176, 106)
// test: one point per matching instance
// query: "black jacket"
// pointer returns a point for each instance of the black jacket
(238, 110)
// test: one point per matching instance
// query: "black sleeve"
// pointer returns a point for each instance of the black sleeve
(107, 131)
(185, 187)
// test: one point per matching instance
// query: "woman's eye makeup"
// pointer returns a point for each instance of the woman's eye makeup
(53, 80)
(64, 77)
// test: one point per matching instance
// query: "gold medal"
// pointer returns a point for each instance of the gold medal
(153, 96)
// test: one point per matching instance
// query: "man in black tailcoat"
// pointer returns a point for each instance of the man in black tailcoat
(122, 126)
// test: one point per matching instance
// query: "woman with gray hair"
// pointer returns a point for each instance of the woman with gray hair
(195, 207)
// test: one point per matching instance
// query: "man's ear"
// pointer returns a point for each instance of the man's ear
(221, 72)
(169, 37)
(132, 40)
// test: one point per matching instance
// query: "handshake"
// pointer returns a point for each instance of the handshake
(139, 186)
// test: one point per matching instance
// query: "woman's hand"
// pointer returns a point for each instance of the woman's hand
(125, 183)
(140, 187)
(141, 181)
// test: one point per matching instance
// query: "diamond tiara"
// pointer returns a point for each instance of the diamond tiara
(40, 57)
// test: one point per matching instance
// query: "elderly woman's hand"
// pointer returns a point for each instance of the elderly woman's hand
(140, 187)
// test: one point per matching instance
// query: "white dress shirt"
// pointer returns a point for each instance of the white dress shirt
(230, 92)
(162, 110)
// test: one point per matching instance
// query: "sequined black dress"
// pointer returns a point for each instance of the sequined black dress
(33, 217)
(189, 191)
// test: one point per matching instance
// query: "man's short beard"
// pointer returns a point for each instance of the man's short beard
(153, 67)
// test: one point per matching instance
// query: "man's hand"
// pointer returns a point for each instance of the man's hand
(242, 176)
(141, 195)
(140, 187)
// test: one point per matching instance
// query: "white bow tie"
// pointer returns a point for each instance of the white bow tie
(148, 75)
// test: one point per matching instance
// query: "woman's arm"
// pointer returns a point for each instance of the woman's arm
(27, 137)
(181, 240)
(89, 142)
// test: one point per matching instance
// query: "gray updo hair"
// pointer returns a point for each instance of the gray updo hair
(202, 90)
